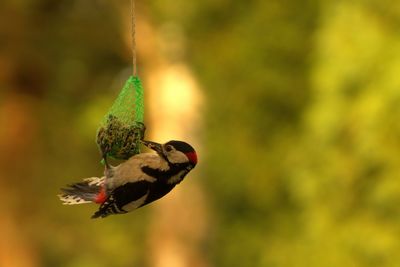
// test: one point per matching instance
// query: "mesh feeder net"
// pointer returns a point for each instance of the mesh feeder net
(122, 127)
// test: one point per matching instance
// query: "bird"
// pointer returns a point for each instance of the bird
(140, 180)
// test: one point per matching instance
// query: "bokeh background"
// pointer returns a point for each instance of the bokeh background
(294, 107)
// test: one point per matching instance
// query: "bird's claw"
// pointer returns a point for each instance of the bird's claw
(108, 170)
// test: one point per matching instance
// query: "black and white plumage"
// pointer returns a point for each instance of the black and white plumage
(138, 181)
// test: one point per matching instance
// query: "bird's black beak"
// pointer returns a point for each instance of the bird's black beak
(153, 145)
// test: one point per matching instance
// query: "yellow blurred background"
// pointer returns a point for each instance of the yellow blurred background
(293, 107)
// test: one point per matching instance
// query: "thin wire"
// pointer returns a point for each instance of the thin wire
(133, 33)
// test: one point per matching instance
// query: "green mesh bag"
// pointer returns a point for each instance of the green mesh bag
(122, 127)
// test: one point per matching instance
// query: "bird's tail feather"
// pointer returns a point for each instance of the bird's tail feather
(82, 192)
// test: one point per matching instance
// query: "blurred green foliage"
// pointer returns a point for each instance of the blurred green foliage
(301, 136)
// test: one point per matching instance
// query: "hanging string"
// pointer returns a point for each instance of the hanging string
(133, 37)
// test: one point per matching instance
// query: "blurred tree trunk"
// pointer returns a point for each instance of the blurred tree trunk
(17, 133)
(21, 83)
(179, 227)
(23, 77)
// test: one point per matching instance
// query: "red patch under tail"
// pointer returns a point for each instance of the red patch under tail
(101, 196)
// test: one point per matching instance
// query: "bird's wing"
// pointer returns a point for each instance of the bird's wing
(125, 198)
(173, 175)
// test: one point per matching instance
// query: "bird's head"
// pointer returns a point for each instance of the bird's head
(175, 152)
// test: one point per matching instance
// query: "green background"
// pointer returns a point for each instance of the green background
(300, 160)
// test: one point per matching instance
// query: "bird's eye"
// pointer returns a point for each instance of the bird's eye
(168, 148)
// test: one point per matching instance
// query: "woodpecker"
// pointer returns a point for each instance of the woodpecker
(140, 180)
